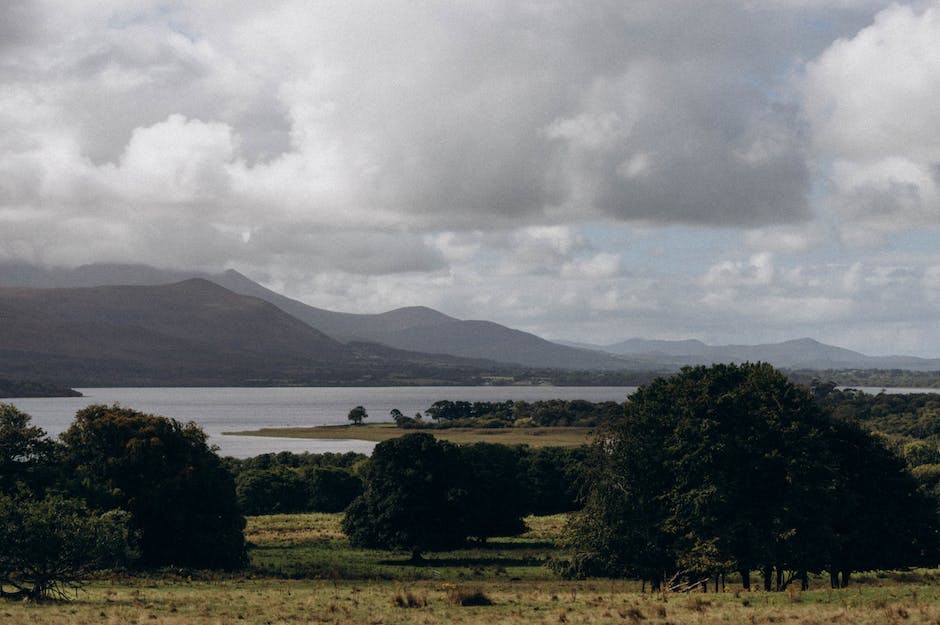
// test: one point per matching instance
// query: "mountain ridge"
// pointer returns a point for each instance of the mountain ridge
(427, 331)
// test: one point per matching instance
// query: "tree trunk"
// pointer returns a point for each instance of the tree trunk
(804, 580)
(768, 573)
(416, 557)
(780, 580)
(655, 584)
(746, 579)
(833, 578)
(846, 574)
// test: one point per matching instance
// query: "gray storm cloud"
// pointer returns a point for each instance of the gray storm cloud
(482, 116)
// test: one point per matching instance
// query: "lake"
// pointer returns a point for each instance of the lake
(219, 410)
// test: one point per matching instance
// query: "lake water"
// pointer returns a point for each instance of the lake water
(219, 410)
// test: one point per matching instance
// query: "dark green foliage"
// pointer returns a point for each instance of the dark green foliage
(347, 460)
(553, 478)
(330, 489)
(878, 516)
(181, 498)
(47, 546)
(271, 491)
(732, 467)
(287, 482)
(422, 494)
(554, 412)
(414, 498)
(23, 388)
(496, 493)
(357, 414)
(26, 455)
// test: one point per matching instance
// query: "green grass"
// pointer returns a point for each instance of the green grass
(312, 546)
(534, 437)
(352, 587)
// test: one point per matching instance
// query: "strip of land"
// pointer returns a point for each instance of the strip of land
(556, 436)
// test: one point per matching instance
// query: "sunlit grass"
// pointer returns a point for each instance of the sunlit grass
(346, 586)
(313, 546)
(378, 432)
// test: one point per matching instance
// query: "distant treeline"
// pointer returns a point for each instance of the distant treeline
(877, 378)
(21, 388)
(899, 416)
(542, 481)
(499, 414)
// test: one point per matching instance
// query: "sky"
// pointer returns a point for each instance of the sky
(588, 170)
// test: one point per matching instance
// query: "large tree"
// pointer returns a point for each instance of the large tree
(181, 498)
(732, 467)
(414, 499)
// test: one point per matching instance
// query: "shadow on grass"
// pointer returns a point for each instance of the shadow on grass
(441, 563)
(518, 545)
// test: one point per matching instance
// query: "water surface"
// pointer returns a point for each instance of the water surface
(219, 410)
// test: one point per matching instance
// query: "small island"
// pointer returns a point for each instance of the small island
(21, 388)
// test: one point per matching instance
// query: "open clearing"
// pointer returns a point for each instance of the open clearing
(534, 437)
(303, 571)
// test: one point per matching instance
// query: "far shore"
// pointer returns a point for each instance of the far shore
(557, 436)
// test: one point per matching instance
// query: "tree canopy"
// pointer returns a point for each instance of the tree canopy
(413, 499)
(50, 544)
(733, 468)
(181, 499)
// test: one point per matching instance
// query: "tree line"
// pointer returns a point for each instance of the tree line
(446, 413)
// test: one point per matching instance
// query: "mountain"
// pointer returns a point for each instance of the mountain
(414, 328)
(802, 353)
(427, 331)
(193, 332)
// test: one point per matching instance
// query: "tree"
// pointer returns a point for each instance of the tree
(732, 467)
(26, 455)
(414, 498)
(496, 498)
(279, 490)
(330, 489)
(879, 517)
(50, 545)
(357, 414)
(181, 499)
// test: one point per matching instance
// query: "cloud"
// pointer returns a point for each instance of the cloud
(871, 101)
(495, 160)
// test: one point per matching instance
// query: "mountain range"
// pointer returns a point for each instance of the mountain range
(142, 325)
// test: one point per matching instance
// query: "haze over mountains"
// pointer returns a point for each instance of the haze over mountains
(138, 322)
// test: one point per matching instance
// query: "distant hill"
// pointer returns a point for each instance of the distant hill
(28, 388)
(424, 330)
(189, 333)
(802, 353)
(414, 328)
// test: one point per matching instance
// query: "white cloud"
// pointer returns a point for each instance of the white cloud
(871, 100)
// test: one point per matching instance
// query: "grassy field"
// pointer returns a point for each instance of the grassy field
(534, 437)
(342, 586)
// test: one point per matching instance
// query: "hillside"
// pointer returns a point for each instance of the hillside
(189, 333)
(413, 328)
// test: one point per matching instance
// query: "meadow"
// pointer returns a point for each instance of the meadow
(303, 571)
(546, 436)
